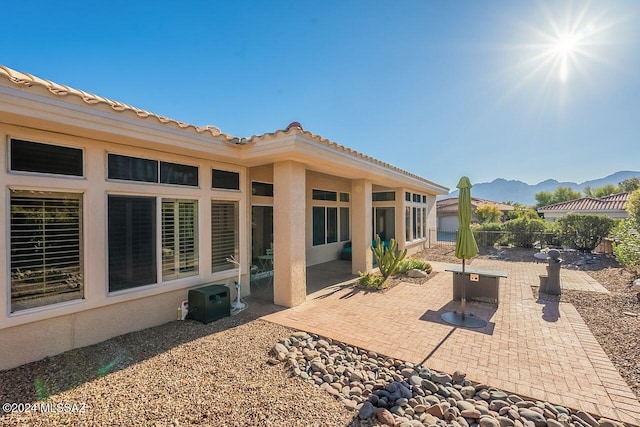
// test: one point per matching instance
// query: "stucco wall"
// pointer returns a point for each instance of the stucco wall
(328, 252)
(38, 332)
(36, 340)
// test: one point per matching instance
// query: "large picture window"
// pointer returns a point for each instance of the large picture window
(179, 238)
(46, 249)
(325, 225)
(132, 242)
(45, 158)
(224, 234)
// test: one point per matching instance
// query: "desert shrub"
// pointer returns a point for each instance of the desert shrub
(371, 281)
(633, 207)
(413, 263)
(584, 231)
(487, 234)
(488, 213)
(523, 232)
(626, 245)
(387, 258)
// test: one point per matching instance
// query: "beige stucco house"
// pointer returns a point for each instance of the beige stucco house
(112, 213)
(612, 206)
(447, 217)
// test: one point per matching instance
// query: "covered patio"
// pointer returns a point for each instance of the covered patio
(320, 277)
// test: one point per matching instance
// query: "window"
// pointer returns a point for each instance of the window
(261, 189)
(179, 238)
(177, 174)
(132, 242)
(224, 234)
(146, 170)
(383, 196)
(325, 225)
(324, 195)
(417, 212)
(132, 168)
(344, 197)
(45, 158)
(417, 198)
(225, 180)
(319, 230)
(424, 222)
(424, 199)
(344, 224)
(407, 196)
(407, 223)
(46, 249)
(332, 225)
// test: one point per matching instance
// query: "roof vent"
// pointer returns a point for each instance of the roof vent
(294, 125)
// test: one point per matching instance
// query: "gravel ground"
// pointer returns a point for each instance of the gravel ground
(187, 373)
(617, 333)
(178, 374)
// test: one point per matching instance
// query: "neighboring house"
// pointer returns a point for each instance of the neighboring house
(447, 211)
(113, 213)
(611, 206)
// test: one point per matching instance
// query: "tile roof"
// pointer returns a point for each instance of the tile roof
(451, 204)
(28, 80)
(613, 202)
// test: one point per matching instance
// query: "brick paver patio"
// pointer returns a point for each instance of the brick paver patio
(539, 349)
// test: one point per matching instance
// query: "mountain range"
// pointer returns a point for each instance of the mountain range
(502, 190)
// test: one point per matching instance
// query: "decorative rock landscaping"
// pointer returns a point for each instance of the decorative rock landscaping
(386, 391)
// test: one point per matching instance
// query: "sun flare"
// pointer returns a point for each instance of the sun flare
(562, 46)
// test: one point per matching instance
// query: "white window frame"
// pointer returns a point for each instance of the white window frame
(45, 174)
(47, 193)
(196, 241)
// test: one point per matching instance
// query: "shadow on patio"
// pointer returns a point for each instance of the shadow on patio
(322, 279)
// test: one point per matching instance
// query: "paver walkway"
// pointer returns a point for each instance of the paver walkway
(542, 350)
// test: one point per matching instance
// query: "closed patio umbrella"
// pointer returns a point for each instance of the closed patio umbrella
(466, 248)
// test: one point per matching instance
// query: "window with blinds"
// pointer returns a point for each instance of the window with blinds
(224, 234)
(46, 249)
(179, 238)
(132, 242)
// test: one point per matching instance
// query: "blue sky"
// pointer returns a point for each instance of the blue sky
(520, 90)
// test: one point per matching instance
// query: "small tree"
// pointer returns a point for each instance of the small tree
(488, 213)
(603, 191)
(523, 211)
(631, 184)
(584, 231)
(633, 207)
(626, 246)
(561, 194)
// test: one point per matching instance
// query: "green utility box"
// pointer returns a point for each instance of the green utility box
(209, 303)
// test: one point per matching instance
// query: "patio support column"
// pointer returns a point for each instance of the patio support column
(400, 230)
(362, 229)
(289, 252)
(432, 220)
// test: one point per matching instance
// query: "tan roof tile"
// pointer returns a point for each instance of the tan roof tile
(614, 202)
(28, 80)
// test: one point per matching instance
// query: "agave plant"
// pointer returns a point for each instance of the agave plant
(388, 259)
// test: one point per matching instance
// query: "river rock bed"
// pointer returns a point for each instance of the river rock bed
(386, 391)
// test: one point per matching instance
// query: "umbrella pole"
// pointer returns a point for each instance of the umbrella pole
(463, 299)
